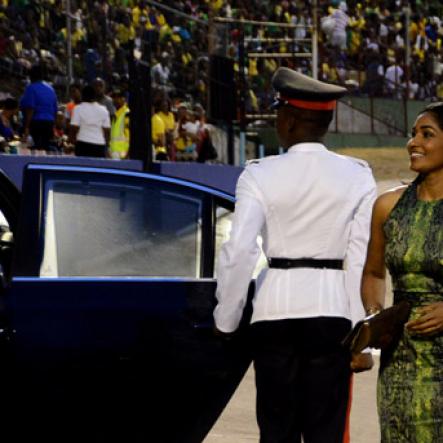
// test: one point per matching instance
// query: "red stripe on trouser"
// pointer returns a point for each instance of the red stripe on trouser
(347, 433)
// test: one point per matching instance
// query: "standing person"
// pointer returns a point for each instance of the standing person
(160, 72)
(75, 93)
(119, 145)
(338, 37)
(102, 98)
(39, 106)
(158, 136)
(407, 237)
(205, 148)
(90, 126)
(313, 210)
(394, 78)
(163, 110)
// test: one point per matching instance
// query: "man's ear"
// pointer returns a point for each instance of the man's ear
(291, 123)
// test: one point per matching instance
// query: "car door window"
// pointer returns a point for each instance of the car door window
(97, 227)
(222, 231)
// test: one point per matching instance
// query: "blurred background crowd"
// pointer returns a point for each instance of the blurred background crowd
(390, 48)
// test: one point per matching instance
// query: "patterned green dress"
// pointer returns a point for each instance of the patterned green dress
(410, 387)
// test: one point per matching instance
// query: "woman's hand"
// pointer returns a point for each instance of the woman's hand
(361, 362)
(429, 322)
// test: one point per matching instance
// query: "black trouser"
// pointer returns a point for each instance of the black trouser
(42, 132)
(85, 149)
(302, 378)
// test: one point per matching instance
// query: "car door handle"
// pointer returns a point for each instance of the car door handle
(6, 334)
(203, 325)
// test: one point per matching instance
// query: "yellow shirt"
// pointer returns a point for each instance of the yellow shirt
(253, 71)
(168, 120)
(413, 31)
(124, 110)
(136, 12)
(157, 129)
(216, 4)
(160, 18)
(125, 33)
(270, 64)
(186, 58)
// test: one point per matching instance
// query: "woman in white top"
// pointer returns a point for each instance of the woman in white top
(90, 126)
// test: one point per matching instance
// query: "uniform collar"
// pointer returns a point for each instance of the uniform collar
(307, 147)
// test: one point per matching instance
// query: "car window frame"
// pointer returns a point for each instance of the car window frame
(30, 241)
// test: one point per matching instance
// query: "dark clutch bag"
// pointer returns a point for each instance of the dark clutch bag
(378, 330)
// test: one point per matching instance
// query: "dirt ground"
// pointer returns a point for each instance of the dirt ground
(386, 163)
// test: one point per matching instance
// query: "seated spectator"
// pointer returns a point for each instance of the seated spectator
(205, 148)
(412, 87)
(59, 142)
(186, 142)
(8, 111)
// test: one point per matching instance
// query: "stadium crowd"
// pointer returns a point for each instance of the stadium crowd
(362, 44)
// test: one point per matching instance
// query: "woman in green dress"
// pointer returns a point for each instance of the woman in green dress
(407, 238)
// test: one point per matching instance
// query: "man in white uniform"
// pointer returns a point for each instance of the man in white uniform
(313, 209)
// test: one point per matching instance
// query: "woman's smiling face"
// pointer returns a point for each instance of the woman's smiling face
(425, 147)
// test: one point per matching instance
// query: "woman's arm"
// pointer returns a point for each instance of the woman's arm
(107, 136)
(28, 114)
(73, 131)
(373, 285)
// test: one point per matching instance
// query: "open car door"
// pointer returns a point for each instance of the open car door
(109, 311)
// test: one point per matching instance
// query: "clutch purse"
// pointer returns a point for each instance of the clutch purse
(378, 330)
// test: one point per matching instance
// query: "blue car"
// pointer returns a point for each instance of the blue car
(106, 330)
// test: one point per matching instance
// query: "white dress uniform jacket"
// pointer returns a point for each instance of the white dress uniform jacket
(307, 203)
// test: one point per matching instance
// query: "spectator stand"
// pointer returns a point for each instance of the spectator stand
(376, 32)
(252, 44)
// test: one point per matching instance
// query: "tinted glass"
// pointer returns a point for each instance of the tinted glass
(99, 228)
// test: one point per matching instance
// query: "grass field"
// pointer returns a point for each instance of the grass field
(386, 163)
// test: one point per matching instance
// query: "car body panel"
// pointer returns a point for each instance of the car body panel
(115, 358)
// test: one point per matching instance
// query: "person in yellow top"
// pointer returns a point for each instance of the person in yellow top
(138, 11)
(119, 144)
(125, 31)
(163, 110)
(158, 134)
(216, 5)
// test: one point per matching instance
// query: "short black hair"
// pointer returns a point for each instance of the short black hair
(75, 86)
(117, 93)
(36, 73)
(10, 104)
(318, 120)
(88, 94)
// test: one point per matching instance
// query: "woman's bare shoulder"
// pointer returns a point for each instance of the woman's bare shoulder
(388, 199)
